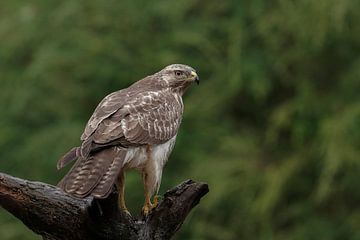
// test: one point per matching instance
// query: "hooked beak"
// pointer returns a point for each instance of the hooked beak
(195, 77)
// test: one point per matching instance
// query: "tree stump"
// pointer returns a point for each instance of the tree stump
(56, 215)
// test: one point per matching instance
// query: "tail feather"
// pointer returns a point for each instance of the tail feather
(83, 179)
(75, 169)
(94, 175)
(68, 157)
(102, 190)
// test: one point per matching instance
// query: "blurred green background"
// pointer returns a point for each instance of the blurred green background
(274, 126)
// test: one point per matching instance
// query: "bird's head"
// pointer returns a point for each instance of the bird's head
(178, 77)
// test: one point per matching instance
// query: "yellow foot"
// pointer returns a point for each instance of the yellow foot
(146, 209)
(156, 201)
(126, 211)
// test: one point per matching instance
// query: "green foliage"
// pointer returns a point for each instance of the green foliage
(274, 126)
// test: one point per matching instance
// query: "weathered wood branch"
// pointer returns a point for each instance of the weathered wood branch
(56, 215)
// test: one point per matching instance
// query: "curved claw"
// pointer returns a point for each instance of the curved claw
(156, 201)
(126, 211)
(147, 208)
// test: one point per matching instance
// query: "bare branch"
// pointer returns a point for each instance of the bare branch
(56, 215)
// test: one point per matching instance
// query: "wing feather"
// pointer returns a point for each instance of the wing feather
(108, 106)
(113, 102)
(154, 122)
(149, 118)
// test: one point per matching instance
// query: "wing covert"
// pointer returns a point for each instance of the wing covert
(150, 118)
(109, 105)
(154, 118)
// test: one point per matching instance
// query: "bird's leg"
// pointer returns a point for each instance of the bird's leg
(149, 179)
(147, 203)
(121, 189)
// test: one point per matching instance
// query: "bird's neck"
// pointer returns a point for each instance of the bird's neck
(180, 87)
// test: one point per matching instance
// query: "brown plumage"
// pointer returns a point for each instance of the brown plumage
(135, 128)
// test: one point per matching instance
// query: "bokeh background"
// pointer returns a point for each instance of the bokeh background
(274, 126)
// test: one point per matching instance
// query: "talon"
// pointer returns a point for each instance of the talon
(146, 210)
(126, 211)
(156, 201)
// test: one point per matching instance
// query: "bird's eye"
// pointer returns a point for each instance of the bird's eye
(178, 73)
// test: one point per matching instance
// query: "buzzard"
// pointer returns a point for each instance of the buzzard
(133, 128)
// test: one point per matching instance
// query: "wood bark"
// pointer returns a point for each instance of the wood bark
(56, 215)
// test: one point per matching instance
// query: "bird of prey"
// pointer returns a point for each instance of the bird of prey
(133, 128)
